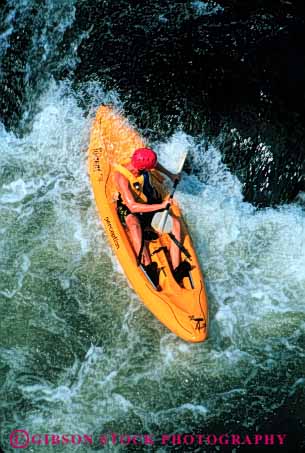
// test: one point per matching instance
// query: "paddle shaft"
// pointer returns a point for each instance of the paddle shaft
(176, 182)
(180, 246)
(168, 205)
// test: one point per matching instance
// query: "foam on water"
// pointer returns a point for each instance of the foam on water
(206, 8)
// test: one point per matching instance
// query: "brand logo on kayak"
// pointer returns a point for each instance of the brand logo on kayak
(112, 233)
(200, 323)
(96, 161)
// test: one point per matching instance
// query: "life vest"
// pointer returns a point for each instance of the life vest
(136, 183)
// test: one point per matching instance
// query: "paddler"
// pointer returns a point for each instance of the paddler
(138, 200)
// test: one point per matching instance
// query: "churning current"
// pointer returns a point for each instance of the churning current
(79, 353)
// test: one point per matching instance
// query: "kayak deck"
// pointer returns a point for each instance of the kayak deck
(182, 309)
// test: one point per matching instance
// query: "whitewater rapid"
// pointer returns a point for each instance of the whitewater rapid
(79, 350)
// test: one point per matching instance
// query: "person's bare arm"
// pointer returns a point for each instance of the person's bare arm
(133, 206)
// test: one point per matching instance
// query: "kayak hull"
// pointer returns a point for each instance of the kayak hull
(183, 310)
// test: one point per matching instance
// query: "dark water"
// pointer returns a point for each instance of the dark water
(79, 353)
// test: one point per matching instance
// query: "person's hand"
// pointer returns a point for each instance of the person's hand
(166, 203)
(176, 177)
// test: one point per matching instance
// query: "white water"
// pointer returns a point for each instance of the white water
(252, 261)
(79, 352)
(206, 8)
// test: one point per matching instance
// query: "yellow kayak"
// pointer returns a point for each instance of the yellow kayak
(182, 309)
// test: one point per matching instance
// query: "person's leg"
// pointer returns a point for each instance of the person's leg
(181, 269)
(174, 250)
(135, 233)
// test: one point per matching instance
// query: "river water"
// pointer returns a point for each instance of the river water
(79, 353)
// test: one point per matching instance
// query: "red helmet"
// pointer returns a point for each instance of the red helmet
(144, 159)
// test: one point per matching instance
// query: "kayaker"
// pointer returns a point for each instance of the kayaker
(139, 200)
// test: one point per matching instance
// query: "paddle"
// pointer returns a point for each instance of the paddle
(161, 221)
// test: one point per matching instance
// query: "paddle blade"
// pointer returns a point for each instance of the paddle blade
(162, 222)
(181, 162)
